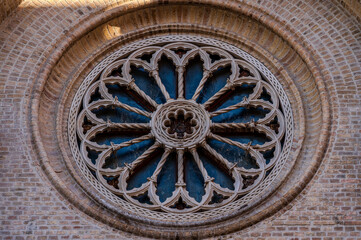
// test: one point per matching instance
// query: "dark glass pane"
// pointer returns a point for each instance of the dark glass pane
(117, 72)
(95, 96)
(168, 76)
(87, 125)
(123, 95)
(119, 115)
(167, 178)
(143, 198)
(241, 115)
(219, 173)
(144, 171)
(233, 154)
(214, 57)
(93, 155)
(147, 57)
(266, 96)
(214, 84)
(112, 181)
(126, 155)
(115, 136)
(147, 84)
(233, 97)
(193, 178)
(268, 155)
(246, 137)
(193, 75)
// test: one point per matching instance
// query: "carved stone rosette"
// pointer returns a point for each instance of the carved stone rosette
(183, 126)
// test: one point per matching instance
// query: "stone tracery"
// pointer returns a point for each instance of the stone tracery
(193, 131)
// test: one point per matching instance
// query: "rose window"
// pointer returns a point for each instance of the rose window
(180, 127)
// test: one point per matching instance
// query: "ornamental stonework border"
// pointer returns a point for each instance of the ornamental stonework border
(253, 196)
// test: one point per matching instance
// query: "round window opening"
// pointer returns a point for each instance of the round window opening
(181, 128)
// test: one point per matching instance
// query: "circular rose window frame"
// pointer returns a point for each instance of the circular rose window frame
(255, 196)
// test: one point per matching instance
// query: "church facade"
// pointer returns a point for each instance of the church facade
(180, 119)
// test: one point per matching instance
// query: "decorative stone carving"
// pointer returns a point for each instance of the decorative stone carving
(181, 125)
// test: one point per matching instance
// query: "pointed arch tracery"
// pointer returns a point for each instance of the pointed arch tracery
(173, 123)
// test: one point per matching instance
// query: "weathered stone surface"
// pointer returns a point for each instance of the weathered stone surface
(313, 46)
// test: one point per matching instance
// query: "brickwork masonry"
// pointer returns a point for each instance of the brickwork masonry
(48, 47)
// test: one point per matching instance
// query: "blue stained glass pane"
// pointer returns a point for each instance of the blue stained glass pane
(214, 84)
(144, 198)
(193, 76)
(219, 174)
(236, 96)
(168, 75)
(193, 178)
(245, 138)
(115, 136)
(266, 96)
(119, 115)
(167, 178)
(233, 154)
(93, 155)
(241, 115)
(147, 84)
(95, 96)
(268, 155)
(123, 96)
(144, 171)
(127, 154)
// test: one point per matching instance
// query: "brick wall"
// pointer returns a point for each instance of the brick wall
(354, 6)
(6, 7)
(32, 208)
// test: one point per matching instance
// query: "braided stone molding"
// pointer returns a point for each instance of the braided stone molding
(199, 130)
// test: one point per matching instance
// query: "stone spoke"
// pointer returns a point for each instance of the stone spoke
(180, 164)
(200, 165)
(234, 126)
(244, 103)
(156, 172)
(141, 93)
(203, 81)
(130, 108)
(229, 141)
(131, 142)
(155, 74)
(180, 87)
(144, 156)
(218, 156)
(217, 95)
(130, 126)
(246, 147)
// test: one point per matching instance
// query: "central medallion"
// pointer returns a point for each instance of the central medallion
(180, 124)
